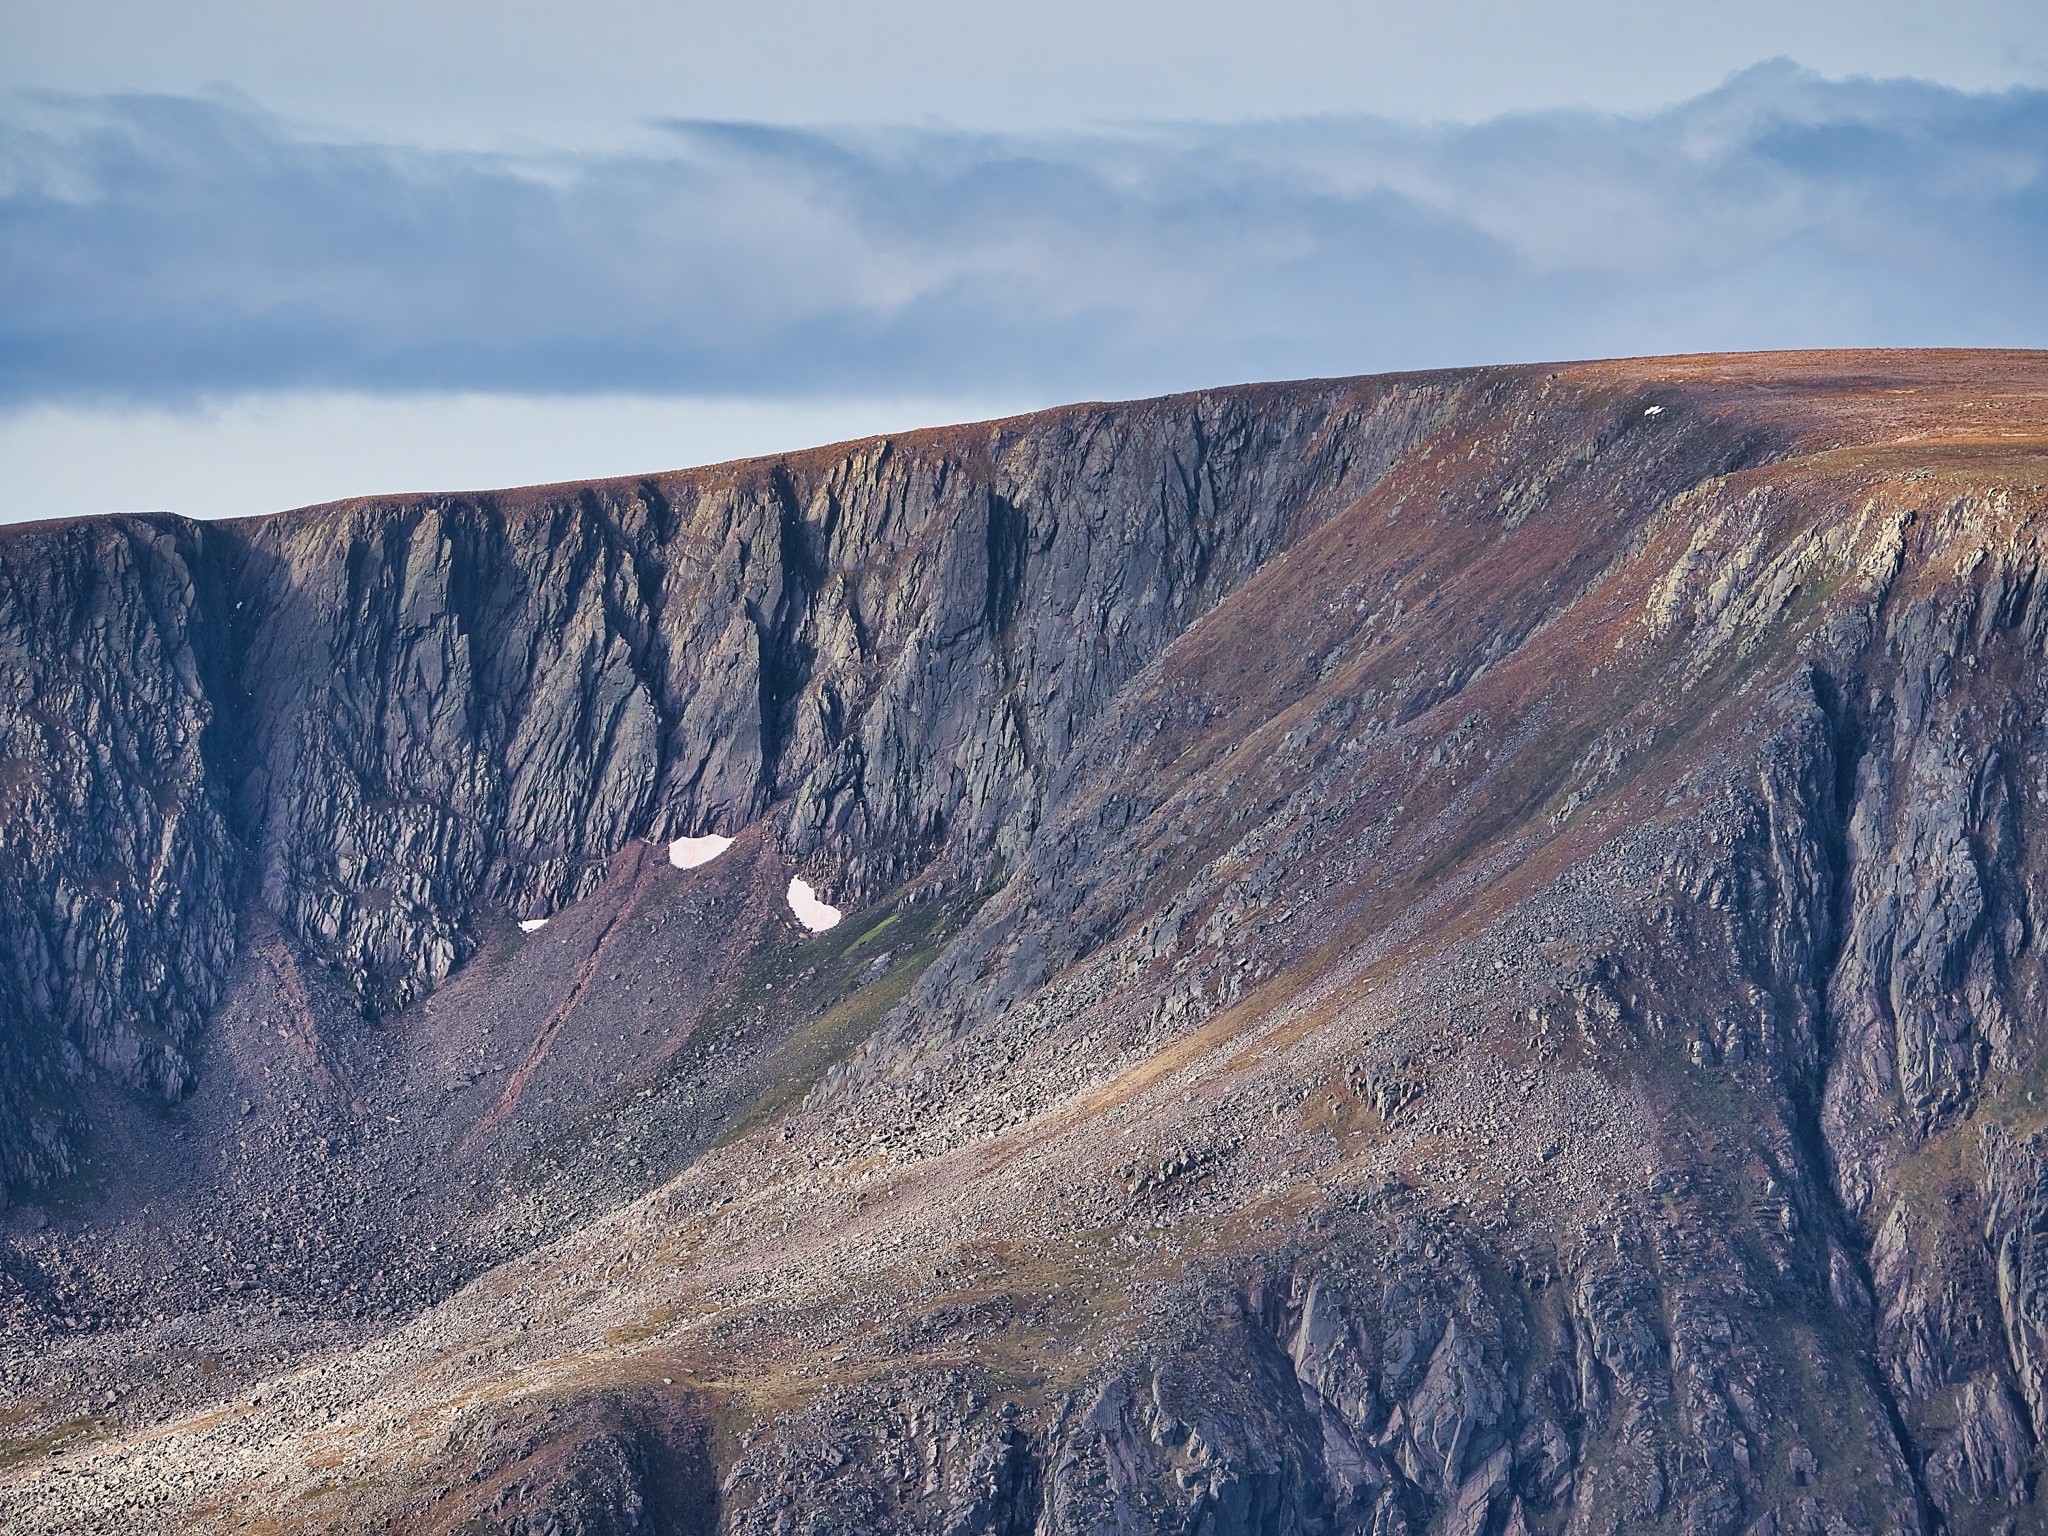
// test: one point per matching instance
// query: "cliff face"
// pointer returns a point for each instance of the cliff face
(471, 705)
(1444, 954)
(118, 870)
(406, 718)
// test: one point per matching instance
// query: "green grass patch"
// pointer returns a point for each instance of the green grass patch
(55, 1438)
(875, 932)
(810, 974)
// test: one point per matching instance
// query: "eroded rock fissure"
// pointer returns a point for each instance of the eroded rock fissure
(1851, 1290)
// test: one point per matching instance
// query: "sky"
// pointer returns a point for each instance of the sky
(255, 256)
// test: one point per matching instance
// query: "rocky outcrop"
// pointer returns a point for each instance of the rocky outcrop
(1931, 982)
(610, 1466)
(118, 868)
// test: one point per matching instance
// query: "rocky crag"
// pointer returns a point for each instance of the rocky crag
(1450, 953)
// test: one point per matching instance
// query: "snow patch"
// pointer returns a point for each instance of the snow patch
(1653, 410)
(689, 852)
(810, 911)
(532, 924)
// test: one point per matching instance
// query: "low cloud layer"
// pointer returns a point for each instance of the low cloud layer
(155, 249)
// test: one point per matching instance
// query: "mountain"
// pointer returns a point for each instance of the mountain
(1451, 953)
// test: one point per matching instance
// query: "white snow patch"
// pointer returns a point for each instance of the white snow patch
(532, 924)
(810, 911)
(689, 852)
(1653, 410)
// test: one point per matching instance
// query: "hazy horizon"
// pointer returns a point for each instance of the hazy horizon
(305, 284)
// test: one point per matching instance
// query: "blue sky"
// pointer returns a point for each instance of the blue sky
(231, 294)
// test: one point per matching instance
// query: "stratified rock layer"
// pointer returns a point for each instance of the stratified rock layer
(1443, 954)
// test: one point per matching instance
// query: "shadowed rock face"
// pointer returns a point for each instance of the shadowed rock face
(118, 868)
(1443, 954)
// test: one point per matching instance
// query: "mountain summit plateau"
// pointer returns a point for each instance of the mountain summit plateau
(1442, 955)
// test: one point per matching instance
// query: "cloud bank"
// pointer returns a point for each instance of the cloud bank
(163, 249)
